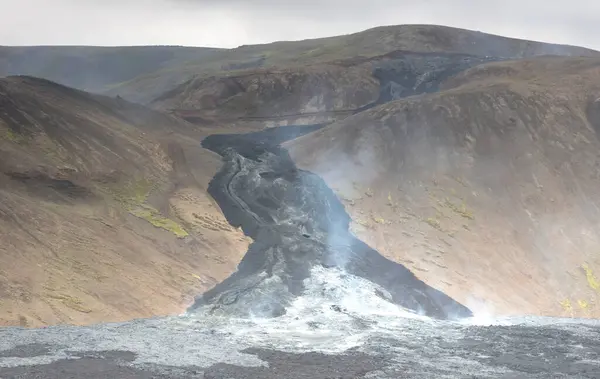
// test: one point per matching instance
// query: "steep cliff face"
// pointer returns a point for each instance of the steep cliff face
(104, 214)
(486, 189)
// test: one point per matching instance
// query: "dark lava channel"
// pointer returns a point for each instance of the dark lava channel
(404, 73)
(297, 223)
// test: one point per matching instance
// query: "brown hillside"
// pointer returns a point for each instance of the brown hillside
(104, 214)
(488, 189)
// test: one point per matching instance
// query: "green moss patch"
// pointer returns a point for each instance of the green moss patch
(12, 136)
(461, 209)
(133, 196)
(154, 217)
(591, 278)
(134, 192)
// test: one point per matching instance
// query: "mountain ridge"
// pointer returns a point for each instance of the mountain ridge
(149, 83)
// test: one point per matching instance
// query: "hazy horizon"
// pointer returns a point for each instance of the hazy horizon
(231, 23)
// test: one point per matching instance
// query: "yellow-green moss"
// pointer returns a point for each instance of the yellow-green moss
(434, 223)
(133, 196)
(591, 278)
(460, 181)
(583, 304)
(459, 209)
(13, 137)
(135, 191)
(154, 217)
(379, 220)
(390, 201)
(132, 193)
(567, 306)
(362, 222)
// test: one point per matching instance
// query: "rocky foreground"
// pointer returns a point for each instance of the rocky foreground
(348, 346)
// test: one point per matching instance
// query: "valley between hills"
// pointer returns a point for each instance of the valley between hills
(469, 159)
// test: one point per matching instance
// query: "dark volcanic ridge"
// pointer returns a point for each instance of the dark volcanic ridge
(297, 224)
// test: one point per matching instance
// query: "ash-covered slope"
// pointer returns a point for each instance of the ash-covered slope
(297, 224)
(487, 189)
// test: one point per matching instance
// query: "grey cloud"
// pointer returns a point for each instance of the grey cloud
(230, 23)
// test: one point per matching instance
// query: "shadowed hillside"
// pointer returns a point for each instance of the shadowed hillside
(104, 214)
(487, 189)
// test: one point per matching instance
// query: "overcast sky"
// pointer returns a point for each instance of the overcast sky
(230, 23)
